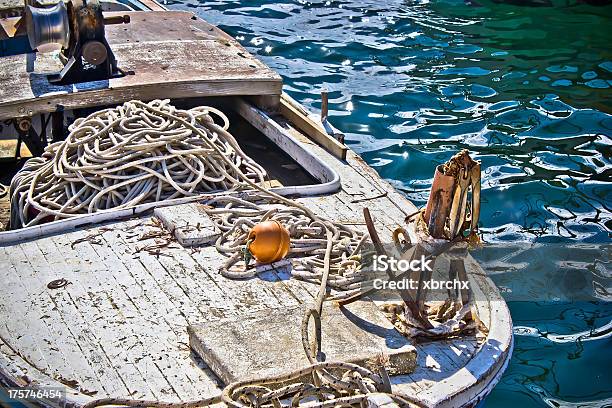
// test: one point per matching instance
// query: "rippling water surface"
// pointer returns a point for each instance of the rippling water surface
(525, 89)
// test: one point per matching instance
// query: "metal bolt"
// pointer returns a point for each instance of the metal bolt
(94, 52)
(24, 124)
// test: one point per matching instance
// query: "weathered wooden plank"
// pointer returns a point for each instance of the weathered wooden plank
(235, 296)
(152, 5)
(357, 186)
(355, 334)
(20, 314)
(144, 344)
(289, 109)
(460, 351)
(386, 217)
(162, 68)
(16, 372)
(40, 278)
(201, 290)
(124, 243)
(302, 292)
(361, 186)
(13, 369)
(153, 342)
(91, 290)
(333, 208)
(395, 198)
(175, 286)
(436, 363)
(329, 179)
(189, 224)
(197, 272)
(75, 321)
(61, 336)
(155, 305)
(40, 312)
(360, 182)
(162, 25)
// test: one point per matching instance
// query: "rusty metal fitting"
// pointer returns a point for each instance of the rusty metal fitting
(94, 52)
(24, 124)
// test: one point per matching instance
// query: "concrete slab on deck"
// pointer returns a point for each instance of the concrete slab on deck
(269, 343)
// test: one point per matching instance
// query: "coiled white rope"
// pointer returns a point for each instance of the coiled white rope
(236, 216)
(131, 154)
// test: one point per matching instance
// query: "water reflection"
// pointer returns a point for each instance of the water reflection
(525, 89)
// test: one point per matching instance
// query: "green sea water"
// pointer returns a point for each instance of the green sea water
(527, 90)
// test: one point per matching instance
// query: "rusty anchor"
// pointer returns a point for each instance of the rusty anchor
(447, 208)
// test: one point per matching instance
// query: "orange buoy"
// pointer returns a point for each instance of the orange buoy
(269, 241)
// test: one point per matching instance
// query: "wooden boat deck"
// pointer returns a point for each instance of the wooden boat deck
(120, 327)
(168, 54)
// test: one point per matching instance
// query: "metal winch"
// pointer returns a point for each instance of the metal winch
(78, 26)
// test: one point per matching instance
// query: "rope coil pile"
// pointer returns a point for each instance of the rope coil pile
(134, 153)
(235, 217)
